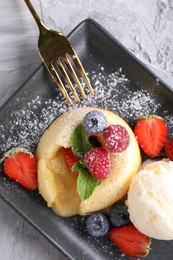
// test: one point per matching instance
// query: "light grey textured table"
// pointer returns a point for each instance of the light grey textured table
(145, 27)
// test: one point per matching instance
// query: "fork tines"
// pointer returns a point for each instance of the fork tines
(63, 64)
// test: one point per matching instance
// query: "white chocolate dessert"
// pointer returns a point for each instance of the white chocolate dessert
(56, 182)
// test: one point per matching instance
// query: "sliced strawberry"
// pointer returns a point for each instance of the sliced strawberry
(151, 133)
(169, 148)
(21, 167)
(71, 159)
(129, 240)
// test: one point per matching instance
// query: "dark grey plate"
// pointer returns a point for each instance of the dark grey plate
(121, 84)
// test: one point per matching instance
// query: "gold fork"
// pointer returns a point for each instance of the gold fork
(56, 52)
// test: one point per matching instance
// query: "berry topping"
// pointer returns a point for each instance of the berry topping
(98, 163)
(97, 225)
(151, 133)
(116, 138)
(71, 159)
(20, 165)
(169, 148)
(130, 241)
(95, 122)
(119, 215)
(80, 145)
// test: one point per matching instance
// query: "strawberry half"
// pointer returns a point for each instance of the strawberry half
(20, 165)
(169, 148)
(151, 133)
(71, 159)
(129, 240)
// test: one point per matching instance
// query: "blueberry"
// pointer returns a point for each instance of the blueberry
(97, 225)
(94, 122)
(119, 215)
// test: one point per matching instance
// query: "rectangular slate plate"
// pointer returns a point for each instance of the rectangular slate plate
(121, 84)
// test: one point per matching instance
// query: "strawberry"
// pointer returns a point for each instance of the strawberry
(98, 163)
(71, 159)
(169, 148)
(20, 165)
(151, 132)
(129, 240)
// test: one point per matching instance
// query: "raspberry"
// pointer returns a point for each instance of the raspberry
(116, 138)
(98, 163)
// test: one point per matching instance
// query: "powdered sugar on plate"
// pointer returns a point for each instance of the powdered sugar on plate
(24, 126)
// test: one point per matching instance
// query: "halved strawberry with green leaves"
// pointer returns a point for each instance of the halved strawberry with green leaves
(71, 159)
(130, 241)
(151, 132)
(20, 165)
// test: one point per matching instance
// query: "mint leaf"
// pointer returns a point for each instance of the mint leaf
(77, 166)
(79, 142)
(86, 183)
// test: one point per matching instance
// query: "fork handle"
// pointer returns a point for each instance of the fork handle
(35, 15)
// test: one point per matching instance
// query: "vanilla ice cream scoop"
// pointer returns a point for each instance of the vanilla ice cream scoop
(150, 200)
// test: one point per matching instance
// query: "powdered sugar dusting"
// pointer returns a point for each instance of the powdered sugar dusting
(24, 126)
